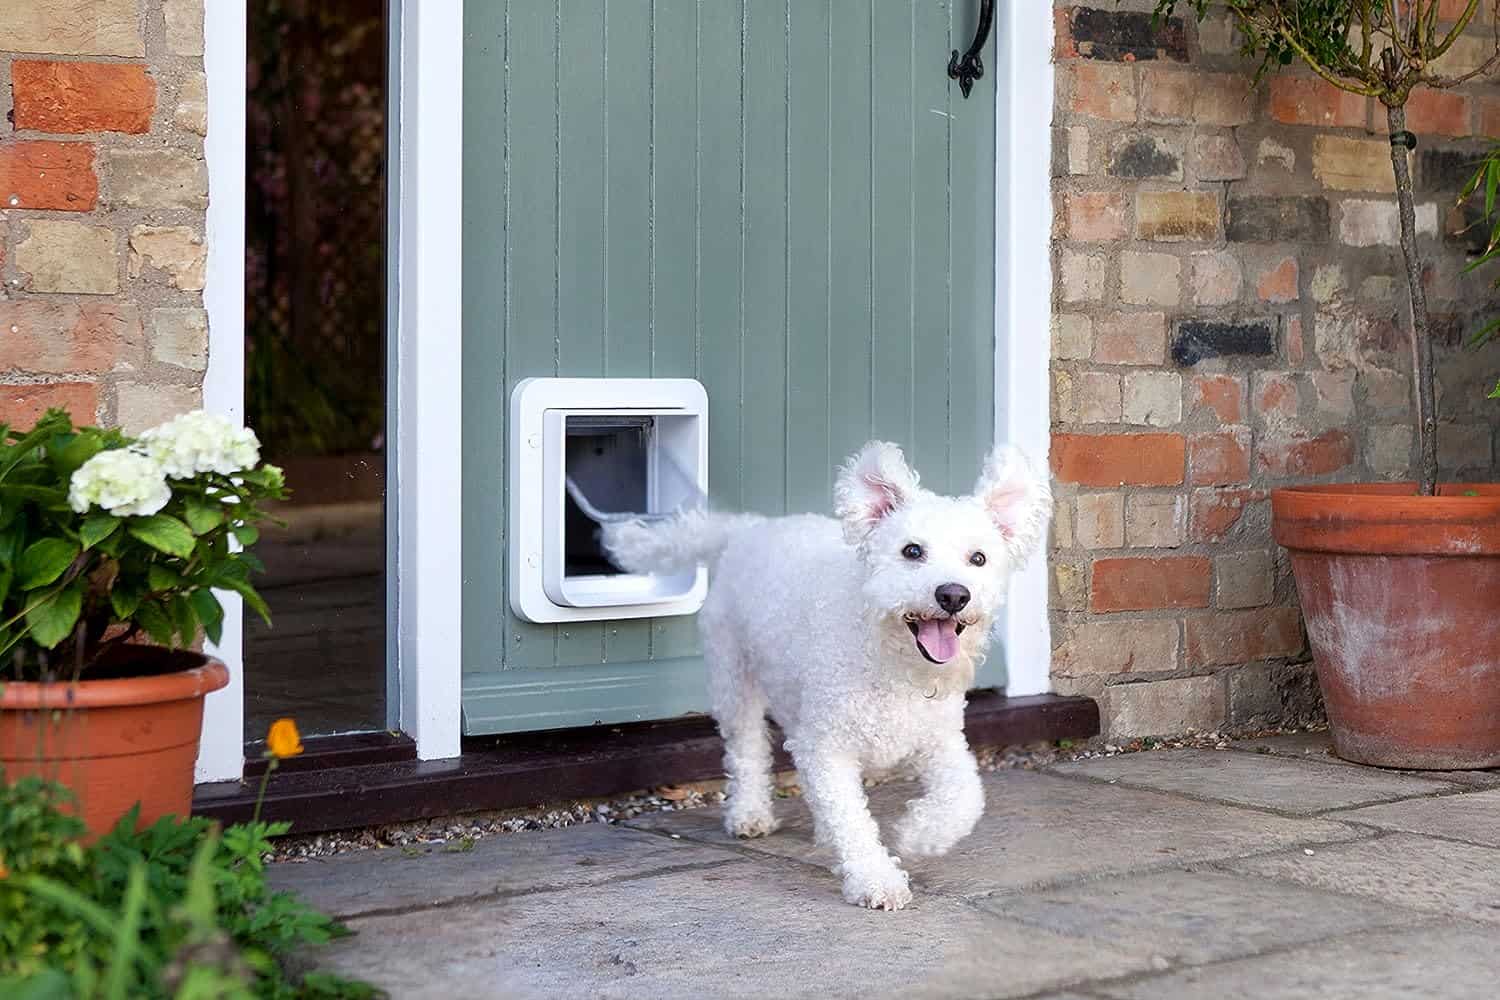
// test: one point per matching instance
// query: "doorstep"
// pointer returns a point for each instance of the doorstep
(524, 770)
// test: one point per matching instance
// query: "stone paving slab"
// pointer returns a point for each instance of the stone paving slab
(572, 857)
(1040, 829)
(1198, 916)
(1437, 876)
(1474, 817)
(1318, 746)
(1456, 962)
(767, 928)
(1266, 781)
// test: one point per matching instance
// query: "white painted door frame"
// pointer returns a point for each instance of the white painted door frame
(427, 246)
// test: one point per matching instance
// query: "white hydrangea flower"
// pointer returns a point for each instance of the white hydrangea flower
(123, 482)
(201, 442)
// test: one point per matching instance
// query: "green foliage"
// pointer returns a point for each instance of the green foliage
(74, 584)
(176, 910)
(1486, 179)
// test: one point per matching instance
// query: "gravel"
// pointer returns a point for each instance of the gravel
(461, 833)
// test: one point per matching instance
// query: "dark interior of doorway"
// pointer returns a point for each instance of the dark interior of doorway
(315, 365)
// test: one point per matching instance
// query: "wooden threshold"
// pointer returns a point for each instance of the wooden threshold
(524, 770)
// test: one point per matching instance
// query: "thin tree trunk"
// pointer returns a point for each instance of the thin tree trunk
(1421, 336)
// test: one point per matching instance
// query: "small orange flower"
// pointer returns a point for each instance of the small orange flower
(283, 740)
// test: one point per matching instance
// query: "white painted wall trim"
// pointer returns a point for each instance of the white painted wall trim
(221, 755)
(429, 338)
(1023, 297)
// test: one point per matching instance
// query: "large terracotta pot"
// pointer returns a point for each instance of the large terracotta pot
(115, 741)
(1401, 595)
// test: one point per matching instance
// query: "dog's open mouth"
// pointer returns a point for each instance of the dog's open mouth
(937, 638)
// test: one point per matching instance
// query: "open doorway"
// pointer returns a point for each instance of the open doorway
(315, 357)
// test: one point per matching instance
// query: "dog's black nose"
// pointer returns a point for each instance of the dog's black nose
(952, 597)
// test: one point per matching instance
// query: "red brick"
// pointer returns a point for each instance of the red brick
(1219, 459)
(1179, 96)
(21, 405)
(1275, 397)
(1146, 584)
(1299, 455)
(1279, 283)
(1438, 112)
(82, 96)
(1119, 459)
(1242, 636)
(1063, 46)
(1223, 394)
(1131, 339)
(1311, 101)
(1097, 215)
(1214, 513)
(1104, 91)
(1489, 116)
(38, 336)
(53, 175)
(1294, 352)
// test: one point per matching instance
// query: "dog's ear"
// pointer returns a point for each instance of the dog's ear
(1017, 498)
(870, 486)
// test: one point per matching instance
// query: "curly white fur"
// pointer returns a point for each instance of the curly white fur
(821, 623)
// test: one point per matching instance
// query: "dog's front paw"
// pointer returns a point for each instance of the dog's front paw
(881, 888)
(750, 823)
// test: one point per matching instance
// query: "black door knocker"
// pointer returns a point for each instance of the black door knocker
(970, 67)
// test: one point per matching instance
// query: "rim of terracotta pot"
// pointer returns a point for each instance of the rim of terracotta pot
(1388, 519)
(180, 685)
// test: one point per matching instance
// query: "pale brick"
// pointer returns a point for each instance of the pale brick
(1150, 279)
(1154, 708)
(156, 178)
(1245, 579)
(1381, 288)
(139, 407)
(1215, 279)
(1274, 397)
(177, 250)
(63, 256)
(1101, 520)
(1153, 398)
(1070, 586)
(1386, 392)
(1078, 149)
(1345, 164)
(1270, 151)
(1082, 277)
(1153, 520)
(1117, 647)
(1072, 336)
(1131, 339)
(1333, 396)
(1376, 223)
(184, 26)
(1328, 283)
(1464, 447)
(1388, 450)
(1217, 158)
(191, 112)
(1062, 523)
(72, 27)
(1172, 216)
(1179, 96)
(180, 337)
(1096, 398)
(1063, 406)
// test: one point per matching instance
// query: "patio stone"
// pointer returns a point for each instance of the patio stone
(1039, 829)
(1407, 870)
(764, 929)
(1318, 746)
(546, 860)
(1266, 781)
(1436, 960)
(1196, 916)
(1474, 817)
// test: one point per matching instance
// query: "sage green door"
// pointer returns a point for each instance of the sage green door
(786, 199)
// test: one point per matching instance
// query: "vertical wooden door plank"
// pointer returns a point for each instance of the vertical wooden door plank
(891, 83)
(675, 63)
(809, 465)
(849, 383)
(763, 346)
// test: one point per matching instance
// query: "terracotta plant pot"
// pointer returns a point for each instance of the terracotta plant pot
(1401, 595)
(130, 737)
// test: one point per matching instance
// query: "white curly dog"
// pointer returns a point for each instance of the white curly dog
(859, 638)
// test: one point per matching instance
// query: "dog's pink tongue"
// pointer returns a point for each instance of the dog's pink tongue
(939, 636)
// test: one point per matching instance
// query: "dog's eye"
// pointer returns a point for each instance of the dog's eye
(912, 551)
(977, 559)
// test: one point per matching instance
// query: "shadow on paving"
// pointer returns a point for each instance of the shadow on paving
(1177, 873)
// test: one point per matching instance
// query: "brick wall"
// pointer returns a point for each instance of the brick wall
(1230, 311)
(103, 189)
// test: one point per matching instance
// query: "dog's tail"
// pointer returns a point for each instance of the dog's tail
(675, 545)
